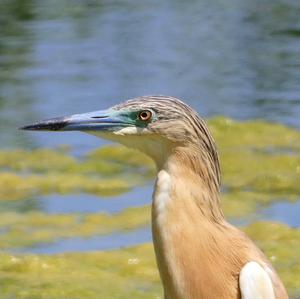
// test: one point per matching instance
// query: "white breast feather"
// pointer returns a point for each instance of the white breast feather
(255, 283)
(162, 195)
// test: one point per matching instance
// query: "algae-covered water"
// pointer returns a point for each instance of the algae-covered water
(75, 211)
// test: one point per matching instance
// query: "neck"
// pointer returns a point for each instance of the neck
(193, 178)
(185, 206)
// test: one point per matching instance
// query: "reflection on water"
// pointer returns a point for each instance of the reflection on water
(240, 59)
(15, 51)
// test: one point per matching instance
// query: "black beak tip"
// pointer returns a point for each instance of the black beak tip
(30, 127)
(54, 124)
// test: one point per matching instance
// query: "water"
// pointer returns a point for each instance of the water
(80, 203)
(106, 242)
(235, 58)
(286, 212)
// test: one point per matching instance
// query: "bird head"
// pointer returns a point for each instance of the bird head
(155, 125)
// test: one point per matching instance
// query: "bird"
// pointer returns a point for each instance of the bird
(199, 254)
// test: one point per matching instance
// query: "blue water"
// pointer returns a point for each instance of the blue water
(285, 212)
(84, 203)
(235, 58)
(106, 242)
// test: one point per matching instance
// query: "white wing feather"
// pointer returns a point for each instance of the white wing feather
(255, 283)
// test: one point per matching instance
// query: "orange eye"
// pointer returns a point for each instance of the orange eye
(145, 115)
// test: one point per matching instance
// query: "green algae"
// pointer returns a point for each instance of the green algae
(40, 160)
(108, 171)
(123, 156)
(32, 228)
(47, 228)
(255, 156)
(14, 186)
(127, 273)
(238, 204)
(253, 134)
(258, 156)
(29, 229)
(281, 244)
(260, 164)
(276, 173)
(108, 160)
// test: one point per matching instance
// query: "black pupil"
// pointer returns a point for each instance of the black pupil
(144, 114)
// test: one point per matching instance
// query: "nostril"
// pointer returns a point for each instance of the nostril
(98, 116)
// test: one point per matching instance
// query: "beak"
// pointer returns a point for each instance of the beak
(104, 120)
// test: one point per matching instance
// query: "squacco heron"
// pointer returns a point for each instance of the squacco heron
(199, 254)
